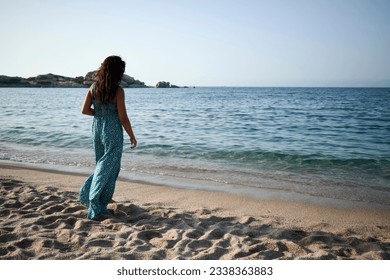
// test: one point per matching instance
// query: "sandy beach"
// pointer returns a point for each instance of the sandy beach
(41, 218)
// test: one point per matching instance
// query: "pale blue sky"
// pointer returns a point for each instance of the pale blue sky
(202, 43)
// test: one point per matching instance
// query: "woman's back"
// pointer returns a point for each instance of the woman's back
(102, 109)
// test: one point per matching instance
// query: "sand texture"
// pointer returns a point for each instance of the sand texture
(45, 221)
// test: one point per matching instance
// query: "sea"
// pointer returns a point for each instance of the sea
(320, 145)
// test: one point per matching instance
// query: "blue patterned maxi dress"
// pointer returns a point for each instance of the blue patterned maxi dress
(107, 132)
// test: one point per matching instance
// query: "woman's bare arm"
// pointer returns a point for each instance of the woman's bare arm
(87, 106)
(124, 119)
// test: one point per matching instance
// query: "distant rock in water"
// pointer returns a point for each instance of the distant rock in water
(165, 85)
(52, 80)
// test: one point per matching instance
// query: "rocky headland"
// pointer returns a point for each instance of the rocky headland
(52, 80)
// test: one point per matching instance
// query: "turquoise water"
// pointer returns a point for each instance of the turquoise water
(318, 142)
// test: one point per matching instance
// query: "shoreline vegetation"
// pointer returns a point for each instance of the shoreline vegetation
(41, 218)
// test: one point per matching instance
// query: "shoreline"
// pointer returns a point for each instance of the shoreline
(265, 193)
(159, 222)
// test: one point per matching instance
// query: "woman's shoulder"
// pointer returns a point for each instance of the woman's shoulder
(93, 86)
(120, 90)
(92, 89)
(120, 93)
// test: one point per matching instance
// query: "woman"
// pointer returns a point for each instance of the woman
(105, 101)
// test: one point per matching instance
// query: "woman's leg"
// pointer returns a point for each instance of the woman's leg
(86, 188)
(103, 182)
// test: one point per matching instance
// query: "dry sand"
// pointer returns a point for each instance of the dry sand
(41, 218)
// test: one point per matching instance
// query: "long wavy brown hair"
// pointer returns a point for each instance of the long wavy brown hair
(108, 78)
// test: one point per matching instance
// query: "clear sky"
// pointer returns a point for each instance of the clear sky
(202, 42)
